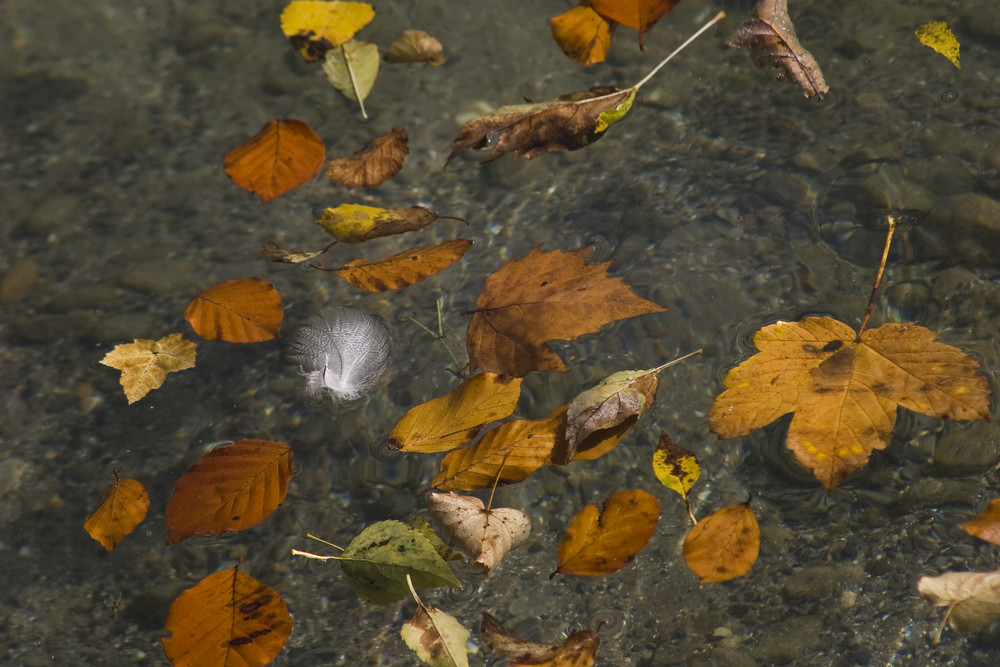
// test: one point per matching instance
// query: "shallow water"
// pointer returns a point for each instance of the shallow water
(724, 196)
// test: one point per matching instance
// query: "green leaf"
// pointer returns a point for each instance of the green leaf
(436, 637)
(352, 69)
(377, 561)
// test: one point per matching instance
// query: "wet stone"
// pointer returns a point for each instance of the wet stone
(820, 582)
(18, 282)
(934, 492)
(788, 640)
(46, 328)
(60, 211)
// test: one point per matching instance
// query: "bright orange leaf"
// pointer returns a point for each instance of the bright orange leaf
(238, 311)
(640, 15)
(124, 507)
(723, 545)
(283, 155)
(227, 619)
(582, 34)
(452, 420)
(986, 525)
(403, 269)
(230, 488)
(600, 542)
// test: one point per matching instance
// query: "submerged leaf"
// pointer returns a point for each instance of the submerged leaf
(145, 363)
(377, 161)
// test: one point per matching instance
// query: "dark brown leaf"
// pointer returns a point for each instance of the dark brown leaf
(374, 164)
(415, 46)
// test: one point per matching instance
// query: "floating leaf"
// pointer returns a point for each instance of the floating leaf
(275, 253)
(415, 46)
(541, 297)
(445, 423)
(403, 269)
(676, 468)
(351, 69)
(485, 535)
(600, 542)
(621, 398)
(123, 508)
(986, 525)
(640, 15)
(724, 545)
(239, 311)
(283, 155)
(770, 37)
(230, 488)
(314, 27)
(844, 391)
(227, 618)
(354, 223)
(377, 161)
(972, 598)
(437, 638)
(938, 36)
(145, 363)
(582, 34)
(577, 650)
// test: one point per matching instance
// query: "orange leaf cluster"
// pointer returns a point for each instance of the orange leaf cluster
(584, 32)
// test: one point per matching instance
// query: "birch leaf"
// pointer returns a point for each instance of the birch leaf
(352, 68)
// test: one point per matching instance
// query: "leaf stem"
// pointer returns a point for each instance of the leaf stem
(354, 83)
(413, 591)
(439, 335)
(320, 539)
(893, 221)
(715, 19)
(675, 361)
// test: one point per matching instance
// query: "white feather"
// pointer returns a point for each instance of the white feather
(342, 353)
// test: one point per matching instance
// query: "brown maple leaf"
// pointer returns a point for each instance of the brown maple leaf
(377, 161)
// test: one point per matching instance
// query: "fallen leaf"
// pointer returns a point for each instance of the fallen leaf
(238, 311)
(600, 542)
(577, 650)
(938, 36)
(486, 536)
(283, 155)
(377, 161)
(231, 488)
(314, 27)
(770, 37)
(415, 46)
(986, 525)
(449, 421)
(273, 252)
(844, 391)
(145, 363)
(582, 34)
(507, 454)
(640, 15)
(542, 297)
(621, 398)
(123, 508)
(724, 545)
(227, 618)
(443, 550)
(403, 269)
(437, 638)
(676, 468)
(354, 223)
(972, 598)
(351, 68)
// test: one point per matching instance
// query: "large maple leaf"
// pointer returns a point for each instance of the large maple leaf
(844, 389)
(541, 297)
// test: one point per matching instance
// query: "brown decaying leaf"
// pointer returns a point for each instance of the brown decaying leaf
(724, 545)
(582, 34)
(123, 508)
(403, 269)
(486, 536)
(640, 15)
(283, 155)
(770, 37)
(354, 223)
(973, 598)
(566, 124)
(541, 297)
(577, 650)
(275, 253)
(986, 525)
(377, 161)
(600, 542)
(230, 488)
(437, 638)
(227, 618)
(844, 391)
(449, 421)
(238, 311)
(145, 363)
(415, 46)
(621, 397)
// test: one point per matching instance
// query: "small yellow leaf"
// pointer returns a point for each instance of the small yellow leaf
(145, 363)
(354, 223)
(314, 26)
(675, 467)
(938, 36)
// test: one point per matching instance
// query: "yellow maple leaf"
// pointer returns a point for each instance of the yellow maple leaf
(844, 389)
(145, 363)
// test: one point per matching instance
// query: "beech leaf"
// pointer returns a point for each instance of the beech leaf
(676, 468)
(275, 253)
(724, 545)
(640, 15)
(123, 508)
(403, 269)
(486, 536)
(577, 650)
(146, 363)
(354, 223)
(972, 598)
(415, 46)
(582, 34)
(986, 525)
(351, 68)
(938, 36)
(283, 155)
(238, 311)
(315, 26)
(377, 161)
(770, 37)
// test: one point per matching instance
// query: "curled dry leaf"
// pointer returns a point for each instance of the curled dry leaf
(724, 545)
(275, 253)
(378, 161)
(640, 15)
(986, 525)
(449, 421)
(354, 223)
(415, 46)
(145, 363)
(486, 536)
(227, 618)
(238, 311)
(283, 155)
(123, 508)
(938, 36)
(582, 34)
(577, 650)
(314, 26)
(972, 598)
(403, 269)
(231, 488)
(351, 68)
